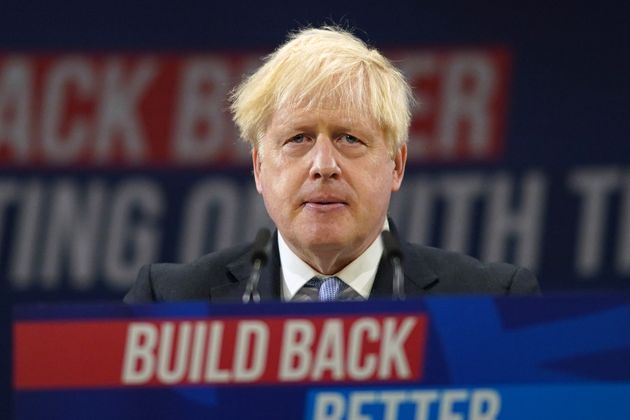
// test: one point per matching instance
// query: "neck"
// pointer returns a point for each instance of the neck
(325, 263)
(329, 260)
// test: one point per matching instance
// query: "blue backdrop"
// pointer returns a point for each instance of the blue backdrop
(550, 191)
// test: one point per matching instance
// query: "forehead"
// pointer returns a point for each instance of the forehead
(331, 114)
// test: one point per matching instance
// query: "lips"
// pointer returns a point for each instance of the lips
(324, 203)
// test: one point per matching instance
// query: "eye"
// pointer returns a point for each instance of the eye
(299, 138)
(350, 139)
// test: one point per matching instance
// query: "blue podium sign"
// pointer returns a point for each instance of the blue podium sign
(455, 358)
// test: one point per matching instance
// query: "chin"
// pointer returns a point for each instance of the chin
(325, 236)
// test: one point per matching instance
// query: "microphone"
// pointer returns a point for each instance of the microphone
(259, 259)
(394, 254)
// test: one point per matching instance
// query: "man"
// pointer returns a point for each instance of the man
(327, 119)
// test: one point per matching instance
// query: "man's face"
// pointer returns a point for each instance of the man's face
(326, 178)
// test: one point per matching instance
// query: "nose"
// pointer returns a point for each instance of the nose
(324, 163)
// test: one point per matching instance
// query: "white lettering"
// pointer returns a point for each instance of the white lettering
(173, 352)
(420, 213)
(213, 372)
(357, 401)
(392, 400)
(139, 362)
(392, 351)
(197, 355)
(423, 401)
(460, 192)
(470, 106)
(329, 355)
(295, 354)
(118, 111)
(211, 207)
(16, 92)
(72, 232)
(329, 406)
(594, 187)
(200, 124)
(252, 335)
(362, 369)
(448, 404)
(132, 241)
(449, 399)
(68, 75)
(420, 70)
(28, 225)
(485, 405)
(523, 225)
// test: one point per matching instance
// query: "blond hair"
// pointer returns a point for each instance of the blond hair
(321, 66)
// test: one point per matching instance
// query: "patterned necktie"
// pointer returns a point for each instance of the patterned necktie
(329, 287)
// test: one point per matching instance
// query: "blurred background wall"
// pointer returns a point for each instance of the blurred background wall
(116, 148)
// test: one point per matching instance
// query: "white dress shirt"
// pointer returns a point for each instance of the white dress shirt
(359, 274)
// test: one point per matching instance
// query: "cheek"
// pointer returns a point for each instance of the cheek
(382, 175)
(279, 185)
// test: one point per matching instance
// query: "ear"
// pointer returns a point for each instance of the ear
(400, 160)
(256, 162)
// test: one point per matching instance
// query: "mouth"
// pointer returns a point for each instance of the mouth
(324, 204)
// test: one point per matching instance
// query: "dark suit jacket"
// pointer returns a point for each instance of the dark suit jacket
(223, 275)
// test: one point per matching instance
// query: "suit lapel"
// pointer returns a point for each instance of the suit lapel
(270, 276)
(239, 271)
(419, 277)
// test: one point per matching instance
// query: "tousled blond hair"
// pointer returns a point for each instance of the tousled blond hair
(317, 67)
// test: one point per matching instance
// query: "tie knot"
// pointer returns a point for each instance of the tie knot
(329, 287)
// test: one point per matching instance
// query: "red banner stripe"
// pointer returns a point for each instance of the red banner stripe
(80, 354)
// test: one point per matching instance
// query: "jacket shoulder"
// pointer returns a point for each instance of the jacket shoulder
(188, 281)
(459, 273)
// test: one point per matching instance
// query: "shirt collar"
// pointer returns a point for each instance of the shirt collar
(359, 274)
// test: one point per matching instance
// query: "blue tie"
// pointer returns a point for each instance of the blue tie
(329, 287)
